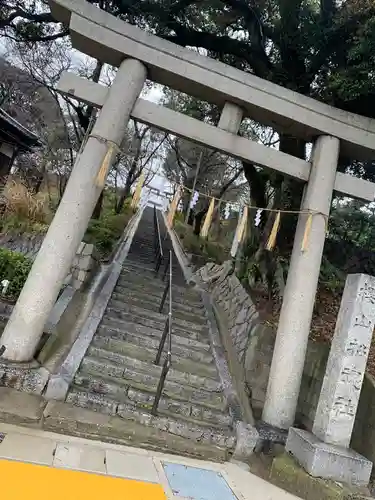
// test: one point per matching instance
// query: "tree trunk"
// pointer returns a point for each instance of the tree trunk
(287, 196)
(198, 220)
(291, 195)
(98, 207)
(121, 201)
(127, 188)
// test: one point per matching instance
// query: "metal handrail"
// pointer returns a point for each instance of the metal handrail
(158, 247)
(167, 333)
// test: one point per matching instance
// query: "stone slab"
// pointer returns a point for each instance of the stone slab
(69, 419)
(328, 461)
(28, 449)
(85, 458)
(130, 466)
(20, 407)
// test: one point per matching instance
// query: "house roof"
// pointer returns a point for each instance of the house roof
(14, 133)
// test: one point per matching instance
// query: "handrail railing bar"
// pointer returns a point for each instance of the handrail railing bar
(166, 333)
(159, 235)
(159, 390)
(158, 245)
(170, 307)
(166, 268)
(162, 342)
(155, 233)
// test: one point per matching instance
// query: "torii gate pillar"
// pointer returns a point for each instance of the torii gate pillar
(25, 326)
(299, 297)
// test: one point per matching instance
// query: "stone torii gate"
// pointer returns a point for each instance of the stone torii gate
(138, 56)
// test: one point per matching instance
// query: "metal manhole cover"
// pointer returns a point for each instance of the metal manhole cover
(194, 483)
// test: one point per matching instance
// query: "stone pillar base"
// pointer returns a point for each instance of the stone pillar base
(328, 461)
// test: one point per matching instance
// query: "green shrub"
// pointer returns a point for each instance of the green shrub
(105, 231)
(14, 267)
(208, 250)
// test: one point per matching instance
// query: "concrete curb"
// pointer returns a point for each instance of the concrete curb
(59, 382)
(179, 252)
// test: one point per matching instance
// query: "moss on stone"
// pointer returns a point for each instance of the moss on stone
(287, 474)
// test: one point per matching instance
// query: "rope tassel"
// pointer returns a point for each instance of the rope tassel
(242, 227)
(240, 231)
(306, 234)
(275, 229)
(103, 172)
(138, 191)
(207, 220)
(173, 207)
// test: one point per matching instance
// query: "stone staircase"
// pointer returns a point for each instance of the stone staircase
(118, 376)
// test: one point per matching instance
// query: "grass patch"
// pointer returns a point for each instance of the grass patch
(14, 267)
(23, 211)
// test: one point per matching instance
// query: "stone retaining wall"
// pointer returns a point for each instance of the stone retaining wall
(248, 342)
(85, 262)
(84, 265)
(28, 245)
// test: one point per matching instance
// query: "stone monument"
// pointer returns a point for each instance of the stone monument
(325, 452)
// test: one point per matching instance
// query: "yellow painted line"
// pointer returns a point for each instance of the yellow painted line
(20, 481)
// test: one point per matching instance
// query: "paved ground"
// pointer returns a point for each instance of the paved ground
(34, 463)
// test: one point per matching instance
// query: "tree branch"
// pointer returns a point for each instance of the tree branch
(220, 44)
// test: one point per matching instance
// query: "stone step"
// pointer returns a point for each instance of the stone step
(152, 304)
(178, 298)
(146, 270)
(179, 303)
(117, 309)
(220, 440)
(144, 326)
(148, 354)
(98, 364)
(121, 345)
(73, 420)
(148, 280)
(149, 338)
(115, 392)
(135, 359)
(180, 364)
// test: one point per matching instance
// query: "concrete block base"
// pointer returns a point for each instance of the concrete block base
(328, 461)
(57, 388)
